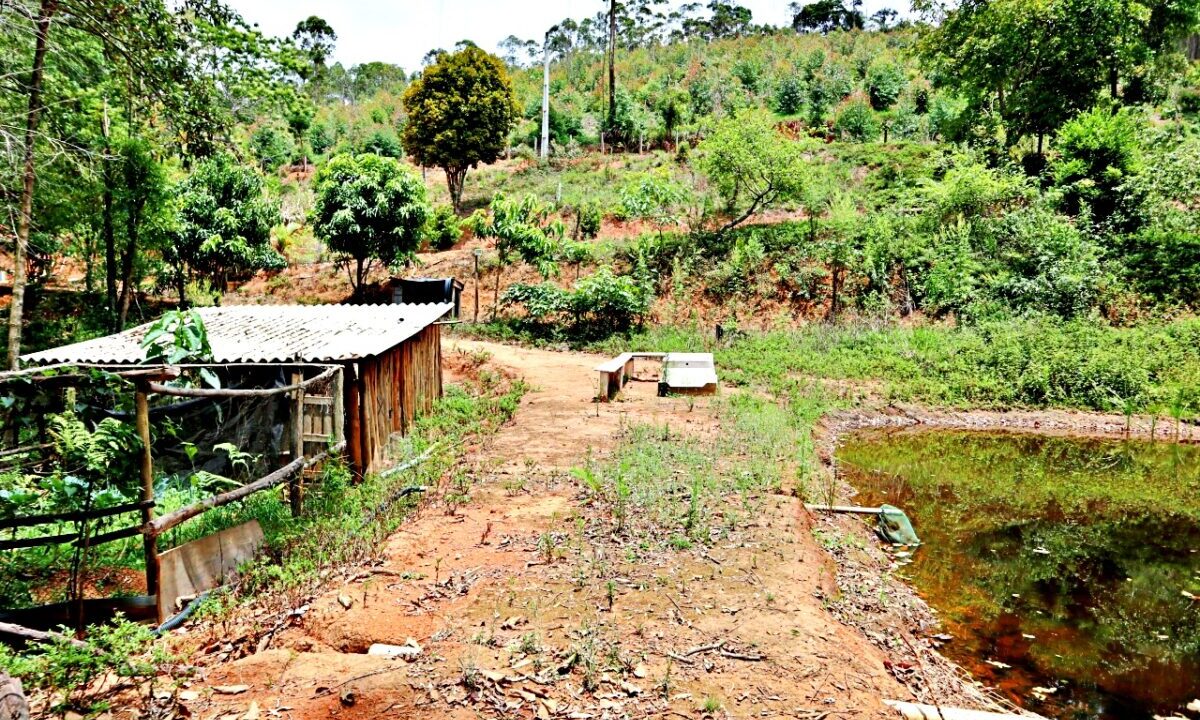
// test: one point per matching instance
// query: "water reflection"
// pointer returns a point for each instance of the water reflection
(1062, 566)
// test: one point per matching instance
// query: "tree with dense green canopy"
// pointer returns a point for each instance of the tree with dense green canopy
(373, 77)
(224, 227)
(751, 165)
(1037, 63)
(825, 16)
(369, 208)
(460, 112)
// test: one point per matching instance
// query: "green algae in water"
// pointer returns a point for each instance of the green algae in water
(1067, 559)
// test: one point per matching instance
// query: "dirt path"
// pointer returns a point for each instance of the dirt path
(519, 611)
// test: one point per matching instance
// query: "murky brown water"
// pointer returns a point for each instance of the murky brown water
(1061, 566)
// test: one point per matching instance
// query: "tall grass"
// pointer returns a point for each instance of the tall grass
(1037, 363)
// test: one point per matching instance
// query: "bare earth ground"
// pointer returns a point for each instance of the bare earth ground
(521, 613)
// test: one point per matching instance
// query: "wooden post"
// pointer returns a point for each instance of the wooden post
(339, 407)
(296, 482)
(150, 542)
(13, 705)
(354, 441)
(476, 253)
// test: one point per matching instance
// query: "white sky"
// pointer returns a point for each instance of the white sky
(402, 31)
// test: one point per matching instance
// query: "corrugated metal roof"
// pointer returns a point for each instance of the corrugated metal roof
(271, 333)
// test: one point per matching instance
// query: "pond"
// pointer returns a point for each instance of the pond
(1066, 570)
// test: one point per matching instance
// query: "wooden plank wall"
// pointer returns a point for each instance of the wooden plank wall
(393, 388)
(421, 379)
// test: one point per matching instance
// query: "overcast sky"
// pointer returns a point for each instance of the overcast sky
(402, 31)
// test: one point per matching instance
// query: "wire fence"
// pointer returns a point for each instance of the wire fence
(104, 468)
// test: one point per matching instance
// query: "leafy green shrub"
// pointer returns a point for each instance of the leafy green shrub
(1046, 264)
(123, 648)
(605, 299)
(383, 143)
(578, 253)
(443, 228)
(1189, 100)
(789, 95)
(653, 196)
(320, 138)
(750, 74)
(541, 301)
(597, 306)
(856, 120)
(272, 146)
(885, 81)
(948, 118)
(1099, 151)
(736, 275)
(589, 220)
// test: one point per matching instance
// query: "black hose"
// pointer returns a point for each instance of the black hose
(174, 622)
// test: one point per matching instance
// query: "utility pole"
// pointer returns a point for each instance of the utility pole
(612, 62)
(546, 93)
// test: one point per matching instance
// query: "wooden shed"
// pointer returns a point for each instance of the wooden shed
(391, 356)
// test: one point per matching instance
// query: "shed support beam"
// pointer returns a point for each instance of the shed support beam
(149, 542)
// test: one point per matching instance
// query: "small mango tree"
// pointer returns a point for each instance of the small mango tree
(460, 112)
(371, 209)
(224, 225)
(521, 230)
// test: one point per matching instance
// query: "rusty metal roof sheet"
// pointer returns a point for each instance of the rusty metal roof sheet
(271, 333)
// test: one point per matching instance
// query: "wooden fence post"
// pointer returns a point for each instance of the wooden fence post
(339, 407)
(150, 542)
(477, 254)
(297, 480)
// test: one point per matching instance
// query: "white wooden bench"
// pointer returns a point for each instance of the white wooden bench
(618, 371)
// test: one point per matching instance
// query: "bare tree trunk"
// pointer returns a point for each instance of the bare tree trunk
(25, 220)
(835, 288)
(110, 243)
(127, 257)
(496, 295)
(455, 178)
(181, 281)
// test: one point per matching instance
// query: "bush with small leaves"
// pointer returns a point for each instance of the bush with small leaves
(443, 228)
(855, 120)
(885, 81)
(789, 95)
